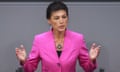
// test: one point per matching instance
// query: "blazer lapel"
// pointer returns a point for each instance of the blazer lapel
(52, 46)
(67, 47)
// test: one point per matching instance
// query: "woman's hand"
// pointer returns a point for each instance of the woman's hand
(21, 53)
(94, 51)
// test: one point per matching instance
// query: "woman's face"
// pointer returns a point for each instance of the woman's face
(58, 20)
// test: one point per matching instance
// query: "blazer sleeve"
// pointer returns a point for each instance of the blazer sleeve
(83, 57)
(31, 63)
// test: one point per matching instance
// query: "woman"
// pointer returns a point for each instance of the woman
(59, 48)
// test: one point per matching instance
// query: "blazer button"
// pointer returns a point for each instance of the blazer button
(58, 64)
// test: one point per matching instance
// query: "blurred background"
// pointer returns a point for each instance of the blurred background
(98, 21)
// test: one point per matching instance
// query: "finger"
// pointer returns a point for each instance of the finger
(21, 46)
(93, 45)
(99, 46)
(17, 49)
(98, 49)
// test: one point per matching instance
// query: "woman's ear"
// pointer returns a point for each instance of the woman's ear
(49, 22)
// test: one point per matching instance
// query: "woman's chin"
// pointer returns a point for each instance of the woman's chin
(61, 30)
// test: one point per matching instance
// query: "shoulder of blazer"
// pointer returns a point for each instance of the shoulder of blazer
(43, 36)
(73, 34)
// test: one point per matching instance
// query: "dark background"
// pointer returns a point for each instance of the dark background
(60, 0)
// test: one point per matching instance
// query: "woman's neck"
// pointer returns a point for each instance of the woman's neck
(58, 35)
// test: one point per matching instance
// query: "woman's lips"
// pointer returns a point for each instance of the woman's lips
(61, 26)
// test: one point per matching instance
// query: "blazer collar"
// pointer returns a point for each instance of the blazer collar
(66, 46)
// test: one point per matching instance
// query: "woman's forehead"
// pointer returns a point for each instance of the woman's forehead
(59, 13)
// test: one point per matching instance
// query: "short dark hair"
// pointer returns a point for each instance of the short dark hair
(55, 6)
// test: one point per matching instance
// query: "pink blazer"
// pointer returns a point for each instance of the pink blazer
(44, 50)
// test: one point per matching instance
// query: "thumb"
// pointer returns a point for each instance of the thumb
(93, 45)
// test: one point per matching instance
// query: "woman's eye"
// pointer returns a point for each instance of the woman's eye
(56, 18)
(64, 17)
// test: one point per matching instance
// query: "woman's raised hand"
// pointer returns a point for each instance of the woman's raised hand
(94, 51)
(21, 53)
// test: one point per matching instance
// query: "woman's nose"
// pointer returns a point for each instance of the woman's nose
(61, 21)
